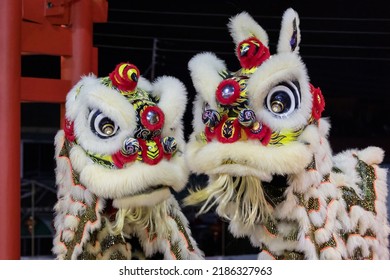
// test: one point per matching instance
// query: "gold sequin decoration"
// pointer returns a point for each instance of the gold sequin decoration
(182, 229)
(330, 243)
(352, 199)
(293, 235)
(88, 216)
(65, 153)
(175, 249)
(111, 240)
(326, 178)
(312, 165)
(293, 255)
(276, 257)
(271, 227)
(86, 256)
(357, 254)
(313, 204)
(301, 199)
(117, 256)
(370, 233)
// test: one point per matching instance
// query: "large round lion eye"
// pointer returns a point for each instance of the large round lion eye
(102, 125)
(283, 99)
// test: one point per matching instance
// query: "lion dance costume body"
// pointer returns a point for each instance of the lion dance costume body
(120, 152)
(259, 136)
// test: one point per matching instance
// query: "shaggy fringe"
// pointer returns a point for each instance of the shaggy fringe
(146, 217)
(239, 199)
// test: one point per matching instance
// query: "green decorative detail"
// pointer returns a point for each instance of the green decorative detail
(368, 197)
(101, 161)
(201, 137)
(280, 138)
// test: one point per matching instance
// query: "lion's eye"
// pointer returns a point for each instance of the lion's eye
(102, 125)
(283, 99)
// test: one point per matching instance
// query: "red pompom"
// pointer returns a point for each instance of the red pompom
(318, 102)
(125, 76)
(252, 53)
(69, 130)
(228, 91)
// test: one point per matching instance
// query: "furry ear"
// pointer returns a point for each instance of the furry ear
(243, 26)
(290, 34)
(173, 101)
(205, 69)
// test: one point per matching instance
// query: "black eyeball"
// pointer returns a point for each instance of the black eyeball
(102, 125)
(283, 99)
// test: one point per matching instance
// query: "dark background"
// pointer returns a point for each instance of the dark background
(345, 46)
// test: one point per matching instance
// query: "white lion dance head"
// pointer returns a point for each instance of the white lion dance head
(120, 153)
(259, 136)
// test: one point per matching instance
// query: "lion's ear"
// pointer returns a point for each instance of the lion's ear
(172, 95)
(290, 34)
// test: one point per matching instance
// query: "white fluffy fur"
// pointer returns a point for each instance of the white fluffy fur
(89, 93)
(129, 186)
(134, 179)
(287, 30)
(173, 101)
(251, 158)
(332, 216)
(204, 70)
(279, 68)
(243, 26)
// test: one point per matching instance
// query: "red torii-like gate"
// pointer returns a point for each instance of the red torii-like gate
(57, 27)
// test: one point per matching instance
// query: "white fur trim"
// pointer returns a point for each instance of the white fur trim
(90, 94)
(204, 70)
(173, 102)
(135, 178)
(287, 30)
(251, 158)
(243, 26)
(277, 69)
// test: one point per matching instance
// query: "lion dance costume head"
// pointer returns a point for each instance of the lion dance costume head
(259, 136)
(118, 157)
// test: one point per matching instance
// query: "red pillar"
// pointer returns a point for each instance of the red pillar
(81, 61)
(10, 48)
